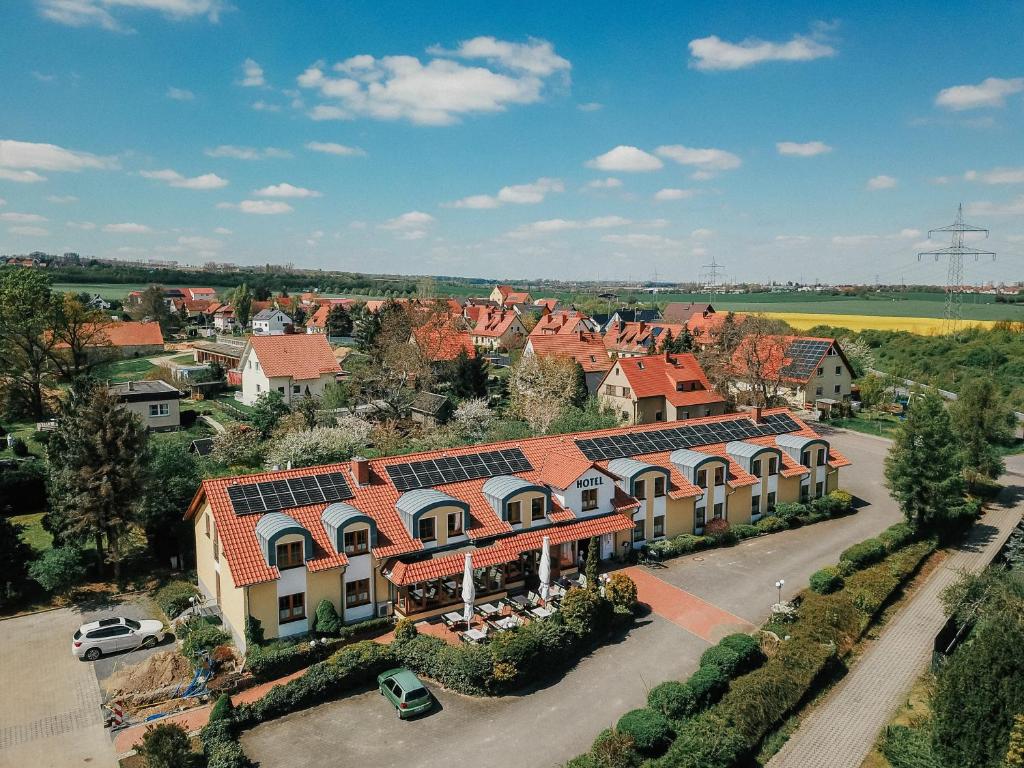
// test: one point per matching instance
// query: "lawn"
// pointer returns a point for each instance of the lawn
(106, 290)
(34, 534)
(882, 424)
(189, 359)
(124, 370)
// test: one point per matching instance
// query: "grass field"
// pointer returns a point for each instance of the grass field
(34, 534)
(924, 326)
(124, 370)
(106, 290)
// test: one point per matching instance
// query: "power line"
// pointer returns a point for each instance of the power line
(711, 277)
(955, 253)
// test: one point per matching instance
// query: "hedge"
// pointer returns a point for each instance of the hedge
(897, 536)
(673, 699)
(863, 554)
(280, 658)
(650, 730)
(826, 580)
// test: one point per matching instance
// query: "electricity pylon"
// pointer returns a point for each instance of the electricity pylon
(711, 271)
(955, 276)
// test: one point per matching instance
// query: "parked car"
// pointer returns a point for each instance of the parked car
(405, 691)
(98, 638)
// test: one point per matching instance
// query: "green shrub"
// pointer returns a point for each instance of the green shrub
(707, 684)
(23, 488)
(166, 746)
(650, 730)
(253, 631)
(746, 647)
(863, 554)
(844, 499)
(200, 637)
(466, 669)
(19, 448)
(220, 745)
(58, 570)
(828, 619)
(174, 597)
(222, 708)
(673, 699)
(683, 544)
(789, 510)
(746, 531)
(584, 612)
(771, 524)
(327, 621)
(405, 629)
(621, 590)
(897, 536)
(282, 658)
(717, 527)
(582, 761)
(826, 581)
(907, 747)
(706, 741)
(725, 659)
(614, 749)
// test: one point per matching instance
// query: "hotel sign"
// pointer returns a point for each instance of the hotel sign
(589, 482)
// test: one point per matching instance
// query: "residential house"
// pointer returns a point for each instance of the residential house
(807, 370)
(390, 535)
(317, 322)
(663, 387)
(200, 294)
(684, 312)
(271, 322)
(566, 321)
(506, 296)
(639, 338)
(583, 347)
(155, 402)
(295, 365)
(122, 340)
(497, 329)
(224, 318)
(225, 351)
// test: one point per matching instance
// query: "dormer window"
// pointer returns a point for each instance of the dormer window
(454, 524)
(640, 364)
(659, 487)
(289, 555)
(821, 456)
(515, 512)
(427, 529)
(773, 466)
(805, 458)
(702, 478)
(719, 475)
(357, 542)
(755, 467)
(537, 508)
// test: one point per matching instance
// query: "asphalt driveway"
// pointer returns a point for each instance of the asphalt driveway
(546, 727)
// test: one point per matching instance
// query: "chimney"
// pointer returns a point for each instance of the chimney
(757, 415)
(360, 470)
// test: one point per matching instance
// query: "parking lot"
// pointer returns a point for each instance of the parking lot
(50, 714)
(549, 725)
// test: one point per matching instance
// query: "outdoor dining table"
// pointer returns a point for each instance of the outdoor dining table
(508, 622)
(521, 601)
(475, 635)
(488, 609)
(541, 612)
(452, 617)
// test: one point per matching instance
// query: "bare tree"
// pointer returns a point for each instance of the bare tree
(81, 337)
(539, 387)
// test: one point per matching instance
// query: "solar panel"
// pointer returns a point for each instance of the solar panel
(427, 473)
(687, 436)
(804, 355)
(271, 495)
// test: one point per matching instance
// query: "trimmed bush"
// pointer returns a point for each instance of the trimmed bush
(683, 544)
(650, 730)
(327, 621)
(725, 659)
(788, 510)
(201, 637)
(166, 746)
(220, 745)
(771, 524)
(842, 498)
(584, 612)
(59, 570)
(673, 699)
(826, 581)
(707, 684)
(707, 741)
(863, 554)
(222, 708)
(174, 597)
(746, 647)
(621, 590)
(746, 531)
(405, 629)
(282, 658)
(717, 527)
(897, 536)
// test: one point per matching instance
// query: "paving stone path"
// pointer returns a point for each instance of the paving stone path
(840, 732)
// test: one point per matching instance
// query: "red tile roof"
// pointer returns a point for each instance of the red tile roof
(319, 318)
(638, 337)
(773, 358)
(587, 349)
(440, 340)
(555, 458)
(494, 323)
(566, 321)
(660, 375)
(301, 356)
(127, 334)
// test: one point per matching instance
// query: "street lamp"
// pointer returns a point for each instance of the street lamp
(779, 585)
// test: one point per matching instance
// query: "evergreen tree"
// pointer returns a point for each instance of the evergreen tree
(98, 455)
(579, 393)
(591, 565)
(684, 342)
(241, 300)
(667, 342)
(153, 306)
(173, 475)
(15, 556)
(339, 322)
(982, 421)
(366, 329)
(469, 376)
(924, 468)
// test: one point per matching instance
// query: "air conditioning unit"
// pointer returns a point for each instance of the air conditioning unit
(385, 609)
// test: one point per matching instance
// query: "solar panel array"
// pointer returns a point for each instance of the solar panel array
(454, 469)
(674, 438)
(804, 355)
(272, 495)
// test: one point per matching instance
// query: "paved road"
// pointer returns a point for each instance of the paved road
(550, 725)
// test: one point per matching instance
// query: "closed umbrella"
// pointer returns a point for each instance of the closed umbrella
(545, 568)
(468, 590)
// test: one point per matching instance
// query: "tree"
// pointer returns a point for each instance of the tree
(666, 342)
(469, 376)
(26, 338)
(872, 391)
(758, 358)
(538, 389)
(1015, 752)
(59, 569)
(321, 445)
(239, 446)
(153, 306)
(173, 474)
(339, 322)
(98, 455)
(471, 421)
(15, 556)
(309, 408)
(241, 300)
(166, 746)
(579, 393)
(591, 566)
(982, 421)
(366, 326)
(924, 467)
(81, 337)
(267, 411)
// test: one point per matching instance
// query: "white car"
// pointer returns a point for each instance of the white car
(98, 638)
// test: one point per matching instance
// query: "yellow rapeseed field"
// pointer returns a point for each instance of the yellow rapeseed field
(926, 326)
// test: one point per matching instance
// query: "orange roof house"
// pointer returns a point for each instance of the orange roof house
(293, 364)
(565, 321)
(410, 521)
(506, 296)
(663, 387)
(639, 338)
(193, 294)
(497, 328)
(583, 347)
(683, 312)
(317, 322)
(803, 369)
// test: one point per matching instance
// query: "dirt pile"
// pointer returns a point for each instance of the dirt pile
(160, 670)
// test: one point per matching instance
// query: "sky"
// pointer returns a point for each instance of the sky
(573, 140)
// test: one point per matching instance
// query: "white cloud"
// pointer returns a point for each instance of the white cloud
(175, 179)
(330, 148)
(180, 94)
(18, 156)
(990, 92)
(199, 243)
(997, 176)
(43, 77)
(265, 106)
(253, 74)
(640, 240)
(286, 190)
(548, 226)
(22, 218)
(674, 194)
(97, 13)
(707, 161)
(60, 199)
(793, 238)
(128, 228)
(625, 158)
(713, 53)
(610, 183)
(537, 57)
(1014, 207)
(437, 92)
(856, 240)
(222, 231)
(30, 231)
(84, 225)
(702, 233)
(517, 194)
(806, 149)
(259, 207)
(246, 153)
(590, 106)
(882, 182)
(410, 221)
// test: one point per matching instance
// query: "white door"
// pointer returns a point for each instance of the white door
(607, 546)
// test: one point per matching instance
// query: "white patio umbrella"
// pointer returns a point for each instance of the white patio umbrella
(468, 590)
(545, 568)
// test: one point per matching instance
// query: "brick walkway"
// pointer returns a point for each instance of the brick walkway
(696, 616)
(840, 732)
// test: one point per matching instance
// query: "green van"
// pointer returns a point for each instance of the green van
(405, 691)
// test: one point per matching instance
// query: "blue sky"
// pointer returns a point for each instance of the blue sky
(569, 140)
